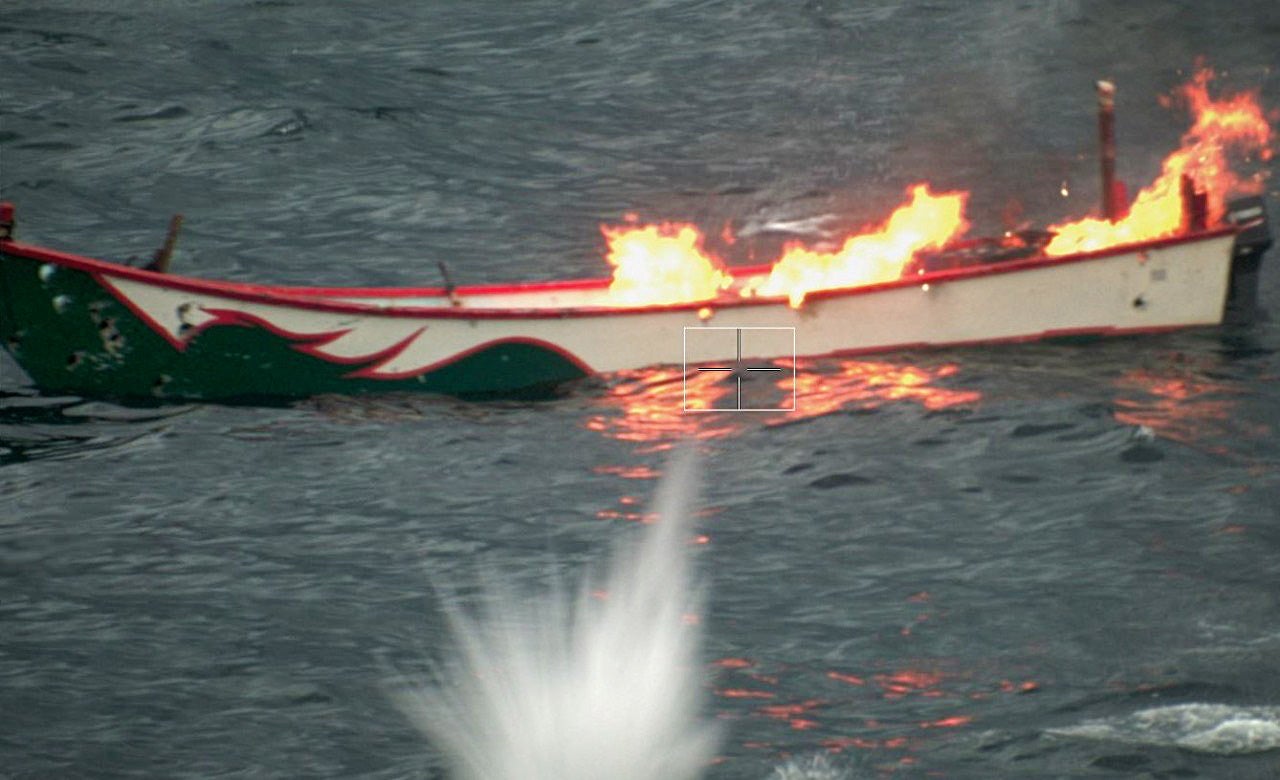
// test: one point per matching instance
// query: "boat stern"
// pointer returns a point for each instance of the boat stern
(1249, 215)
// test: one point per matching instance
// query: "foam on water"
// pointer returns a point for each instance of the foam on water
(604, 684)
(1220, 729)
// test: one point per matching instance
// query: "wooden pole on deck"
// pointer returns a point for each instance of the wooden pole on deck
(160, 260)
(450, 289)
(1107, 149)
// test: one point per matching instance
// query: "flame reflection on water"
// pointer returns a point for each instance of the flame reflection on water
(827, 386)
(1186, 405)
(648, 407)
(858, 711)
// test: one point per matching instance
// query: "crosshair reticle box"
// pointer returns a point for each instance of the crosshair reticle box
(747, 369)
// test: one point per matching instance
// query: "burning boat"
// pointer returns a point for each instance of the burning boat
(1177, 255)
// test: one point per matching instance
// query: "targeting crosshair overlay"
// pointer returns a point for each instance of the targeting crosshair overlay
(753, 380)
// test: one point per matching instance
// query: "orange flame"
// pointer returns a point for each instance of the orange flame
(656, 264)
(668, 263)
(927, 221)
(1231, 123)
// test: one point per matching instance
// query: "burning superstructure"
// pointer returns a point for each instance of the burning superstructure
(1231, 124)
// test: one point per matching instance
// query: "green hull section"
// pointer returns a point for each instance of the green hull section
(71, 335)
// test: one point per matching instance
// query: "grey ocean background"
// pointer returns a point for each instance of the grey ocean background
(941, 558)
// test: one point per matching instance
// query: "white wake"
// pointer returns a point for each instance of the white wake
(1219, 729)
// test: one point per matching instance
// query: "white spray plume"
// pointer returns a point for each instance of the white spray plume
(598, 687)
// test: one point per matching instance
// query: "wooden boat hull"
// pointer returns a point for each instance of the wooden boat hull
(92, 327)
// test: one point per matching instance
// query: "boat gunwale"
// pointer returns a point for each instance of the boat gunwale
(336, 299)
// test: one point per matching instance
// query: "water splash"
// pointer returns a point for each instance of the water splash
(1219, 729)
(817, 767)
(602, 685)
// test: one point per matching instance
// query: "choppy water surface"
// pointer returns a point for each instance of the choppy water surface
(1020, 562)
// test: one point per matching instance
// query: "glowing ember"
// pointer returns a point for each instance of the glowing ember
(657, 264)
(1234, 123)
(927, 221)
